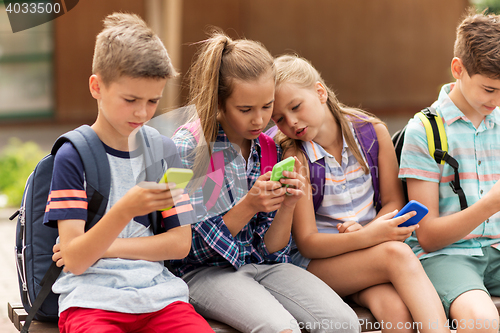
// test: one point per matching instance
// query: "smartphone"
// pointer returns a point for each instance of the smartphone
(180, 177)
(285, 165)
(416, 206)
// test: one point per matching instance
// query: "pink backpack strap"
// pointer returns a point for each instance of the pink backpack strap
(193, 127)
(214, 178)
(215, 175)
(269, 154)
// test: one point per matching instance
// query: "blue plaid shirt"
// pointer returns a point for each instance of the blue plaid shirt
(213, 244)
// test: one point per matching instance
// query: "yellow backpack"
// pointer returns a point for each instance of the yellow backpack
(438, 148)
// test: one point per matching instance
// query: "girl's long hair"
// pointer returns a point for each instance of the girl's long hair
(299, 71)
(219, 61)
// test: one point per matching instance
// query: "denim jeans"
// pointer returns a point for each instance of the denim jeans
(269, 298)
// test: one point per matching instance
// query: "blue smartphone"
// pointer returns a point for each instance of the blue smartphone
(416, 206)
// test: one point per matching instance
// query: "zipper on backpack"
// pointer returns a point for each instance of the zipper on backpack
(13, 216)
(21, 257)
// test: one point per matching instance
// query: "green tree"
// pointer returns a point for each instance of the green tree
(491, 6)
(17, 161)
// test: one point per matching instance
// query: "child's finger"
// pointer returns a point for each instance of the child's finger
(265, 177)
(170, 186)
(345, 226)
(56, 256)
(410, 228)
(293, 191)
(403, 218)
(176, 192)
(293, 175)
(389, 215)
(297, 165)
(271, 185)
(156, 186)
(292, 182)
(278, 191)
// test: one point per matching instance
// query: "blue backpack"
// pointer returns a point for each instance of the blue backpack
(34, 241)
(367, 137)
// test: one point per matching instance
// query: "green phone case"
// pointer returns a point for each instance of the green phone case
(285, 165)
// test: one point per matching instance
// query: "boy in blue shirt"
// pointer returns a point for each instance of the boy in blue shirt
(459, 249)
(114, 278)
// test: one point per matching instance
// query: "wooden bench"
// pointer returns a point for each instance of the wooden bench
(17, 315)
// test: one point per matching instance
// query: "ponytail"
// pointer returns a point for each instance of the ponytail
(218, 62)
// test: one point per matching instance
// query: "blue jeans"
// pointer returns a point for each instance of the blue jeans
(269, 298)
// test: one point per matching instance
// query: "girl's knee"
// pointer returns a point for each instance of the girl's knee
(399, 255)
(396, 249)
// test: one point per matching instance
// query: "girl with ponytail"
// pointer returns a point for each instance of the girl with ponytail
(238, 269)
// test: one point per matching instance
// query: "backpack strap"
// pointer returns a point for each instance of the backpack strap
(98, 178)
(96, 166)
(436, 135)
(438, 148)
(46, 287)
(268, 152)
(151, 146)
(367, 138)
(214, 176)
(317, 175)
(316, 172)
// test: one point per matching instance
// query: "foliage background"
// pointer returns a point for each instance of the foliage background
(17, 161)
(491, 6)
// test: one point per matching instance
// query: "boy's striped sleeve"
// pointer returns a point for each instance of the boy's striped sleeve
(180, 214)
(67, 198)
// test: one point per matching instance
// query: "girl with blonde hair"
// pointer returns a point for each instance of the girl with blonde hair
(351, 240)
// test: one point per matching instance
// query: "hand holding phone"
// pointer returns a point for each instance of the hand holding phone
(180, 177)
(416, 206)
(285, 165)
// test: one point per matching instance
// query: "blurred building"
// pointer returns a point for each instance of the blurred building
(387, 56)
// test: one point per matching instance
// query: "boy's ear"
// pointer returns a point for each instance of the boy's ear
(457, 68)
(95, 85)
(322, 93)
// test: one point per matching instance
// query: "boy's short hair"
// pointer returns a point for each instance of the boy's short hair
(478, 44)
(127, 46)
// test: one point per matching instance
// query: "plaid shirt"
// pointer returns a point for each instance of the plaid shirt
(213, 244)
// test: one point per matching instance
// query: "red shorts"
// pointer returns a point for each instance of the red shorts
(178, 317)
